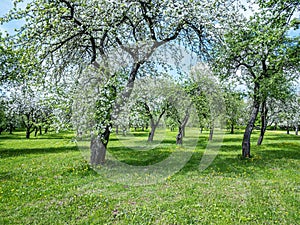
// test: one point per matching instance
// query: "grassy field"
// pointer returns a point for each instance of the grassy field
(45, 180)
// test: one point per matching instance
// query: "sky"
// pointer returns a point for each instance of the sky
(5, 6)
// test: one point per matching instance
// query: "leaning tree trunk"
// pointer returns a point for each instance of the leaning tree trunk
(263, 128)
(36, 131)
(248, 131)
(151, 133)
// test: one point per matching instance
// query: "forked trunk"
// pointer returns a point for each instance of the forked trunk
(153, 124)
(151, 134)
(248, 132)
(181, 129)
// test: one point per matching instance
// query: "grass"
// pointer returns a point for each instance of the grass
(45, 180)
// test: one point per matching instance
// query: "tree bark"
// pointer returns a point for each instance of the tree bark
(232, 129)
(36, 131)
(248, 131)
(28, 132)
(98, 147)
(264, 111)
(211, 133)
(151, 133)
(296, 129)
(181, 128)
(287, 129)
(11, 128)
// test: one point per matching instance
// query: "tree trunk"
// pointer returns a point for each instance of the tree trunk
(263, 128)
(46, 130)
(36, 131)
(153, 124)
(211, 133)
(28, 132)
(181, 128)
(11, 128)
(248, 131)
(296, 129)
(275, 126)
(232, 128)
(287, 129)
(40, 130)
(179, 136)
(98, 147)
(151, 133)
(117, 129)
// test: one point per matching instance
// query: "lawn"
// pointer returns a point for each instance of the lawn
(46, 180)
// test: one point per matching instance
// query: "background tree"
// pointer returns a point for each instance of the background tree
(234, 107)
(153, 95)
(205, 91)
(263, 52)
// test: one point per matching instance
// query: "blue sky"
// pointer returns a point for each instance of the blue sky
(5, 6)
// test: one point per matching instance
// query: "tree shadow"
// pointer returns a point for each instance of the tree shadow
(229, 161)
(10, 152)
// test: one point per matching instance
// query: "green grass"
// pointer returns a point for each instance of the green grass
(45, 180)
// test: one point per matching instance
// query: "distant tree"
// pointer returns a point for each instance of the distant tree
(234, 107)
(153, 96)
(205, 91)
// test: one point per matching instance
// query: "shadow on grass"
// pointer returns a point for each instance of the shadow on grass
(262, 158)
(21, 135)
(10, 152)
